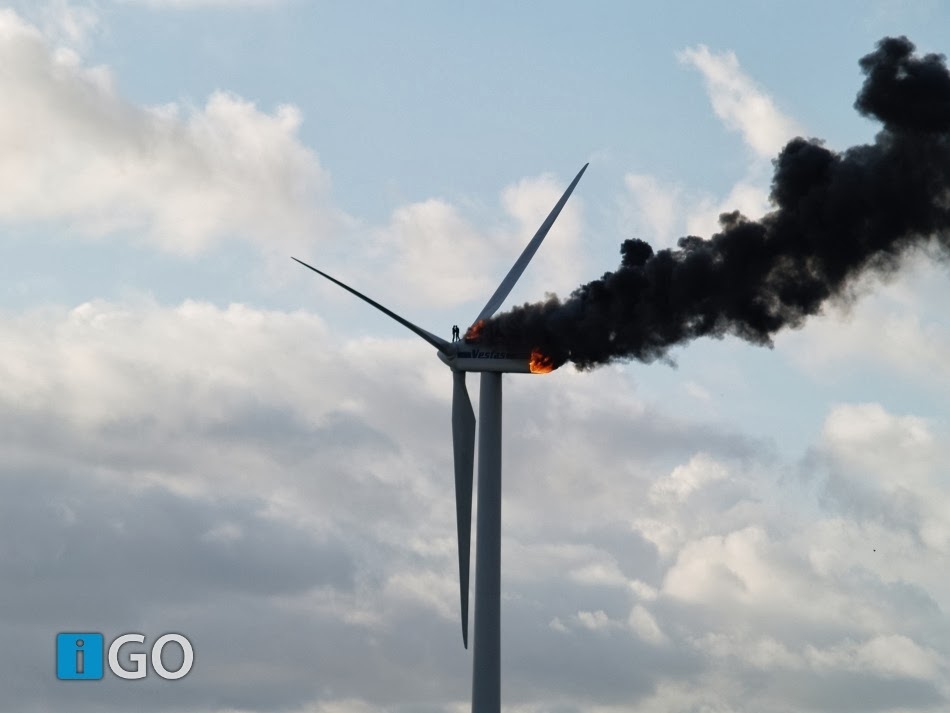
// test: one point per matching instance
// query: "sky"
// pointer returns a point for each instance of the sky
(200, 436)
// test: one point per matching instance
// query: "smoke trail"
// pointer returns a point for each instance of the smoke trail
(836, 216)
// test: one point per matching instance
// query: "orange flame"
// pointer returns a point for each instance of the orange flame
(540, 364)
(474, 333)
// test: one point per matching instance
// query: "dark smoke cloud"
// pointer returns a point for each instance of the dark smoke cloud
(837, 215)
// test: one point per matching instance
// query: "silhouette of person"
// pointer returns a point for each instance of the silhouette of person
(455, 332)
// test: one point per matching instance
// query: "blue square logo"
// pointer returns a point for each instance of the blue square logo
(79, 657)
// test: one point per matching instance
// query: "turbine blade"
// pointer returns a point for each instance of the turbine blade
(441, 344)
(463, 441)
(522, 262)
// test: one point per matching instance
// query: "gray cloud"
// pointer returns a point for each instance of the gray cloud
(235, 475)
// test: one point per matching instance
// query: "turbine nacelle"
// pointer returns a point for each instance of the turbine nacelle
(467, 356)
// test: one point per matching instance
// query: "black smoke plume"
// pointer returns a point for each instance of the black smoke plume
(836, 216)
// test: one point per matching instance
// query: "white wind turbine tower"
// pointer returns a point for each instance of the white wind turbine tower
(492, 360)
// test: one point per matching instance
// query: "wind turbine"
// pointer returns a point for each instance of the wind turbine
(469, 354)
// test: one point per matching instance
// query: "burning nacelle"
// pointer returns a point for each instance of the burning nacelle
(478, 357)
(472, 355)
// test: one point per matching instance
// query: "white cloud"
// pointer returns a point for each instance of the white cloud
(643, 590)
(746, 571)
(697, 391)
(560, 263)
(892, 656)
(599, 573)
(740, 104)
(890, 463)
(662, 212)
(763, 653)
(643, 623)
(431, 254)
(437, 591)
(595, 621)
(652, 210)
(80, 156)
(867, 435)
(68, 23)
(747, 197)
(685, 479)
(894, 326)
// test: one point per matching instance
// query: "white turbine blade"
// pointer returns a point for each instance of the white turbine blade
(522, 262)
(441, 344)
(463, 441)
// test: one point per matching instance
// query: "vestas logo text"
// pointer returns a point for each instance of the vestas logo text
(79, 657)
(479, 354)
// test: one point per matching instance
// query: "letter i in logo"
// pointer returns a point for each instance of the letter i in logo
(78, 657)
